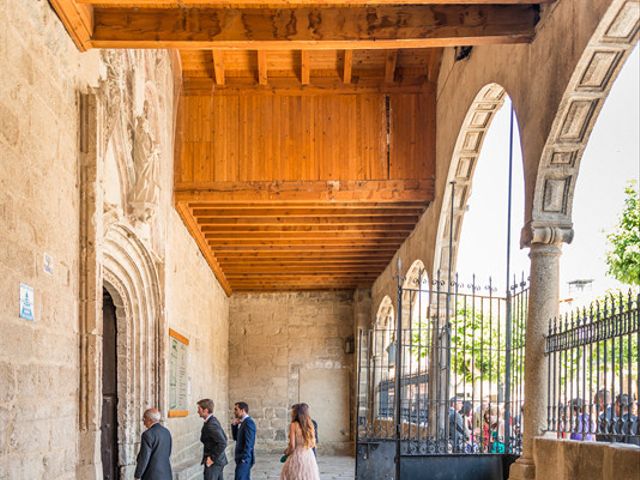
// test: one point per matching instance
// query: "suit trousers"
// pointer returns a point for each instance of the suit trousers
(243, 471)
(214, 472)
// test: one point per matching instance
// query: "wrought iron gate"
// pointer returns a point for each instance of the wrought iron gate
(455, 353)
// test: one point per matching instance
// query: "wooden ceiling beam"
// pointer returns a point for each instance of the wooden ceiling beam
(305, 67)
(255, 271)
(298, 288)
(305, 277)
(390, 66)
(78, 21)
(288, 3)
(200, 86)
(292, 191)
(306, 28)
(322, 229)
(312, 237)
(293, 257)
(218, 66)
(262, 68)
(347, 66)
(215, 244)
(305, 221)
(249, 266)
(304, 205)
(192, 227)
(284, 211)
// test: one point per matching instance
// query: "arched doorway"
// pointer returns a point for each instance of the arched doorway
(109, 419)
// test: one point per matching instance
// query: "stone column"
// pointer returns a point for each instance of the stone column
(545, 249)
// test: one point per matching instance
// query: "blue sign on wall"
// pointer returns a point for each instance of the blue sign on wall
(27, 302)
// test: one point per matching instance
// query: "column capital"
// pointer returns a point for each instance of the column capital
(545, 234)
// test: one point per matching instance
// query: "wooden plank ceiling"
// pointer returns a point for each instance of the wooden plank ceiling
(305, 149)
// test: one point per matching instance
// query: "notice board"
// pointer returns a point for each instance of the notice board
(178, 378)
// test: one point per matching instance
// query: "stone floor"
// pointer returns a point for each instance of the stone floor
(331, 468)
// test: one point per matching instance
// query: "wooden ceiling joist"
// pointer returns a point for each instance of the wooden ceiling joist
(347, 66)
(262, 67)
(307, 212)
(288, 3)
(304, 28)
(285, 192)
(292, 191)
(218, 66)
(279, 86)
(390, 66)
(77, 19)
(305, 67)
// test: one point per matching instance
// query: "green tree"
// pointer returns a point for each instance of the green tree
(478, 348)
(623, 258)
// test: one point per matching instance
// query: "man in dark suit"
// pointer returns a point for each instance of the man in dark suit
(155, 449)
(243, 429)
(214, 440)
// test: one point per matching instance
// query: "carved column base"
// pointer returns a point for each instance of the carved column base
(523, 469)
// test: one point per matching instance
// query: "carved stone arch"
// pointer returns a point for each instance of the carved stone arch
(591, 82)
(131, 277)
(465, 156)
(415, 275)
(384, 317)
(415, 298)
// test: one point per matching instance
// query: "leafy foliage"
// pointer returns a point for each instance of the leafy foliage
(478, 344)
(623, 259)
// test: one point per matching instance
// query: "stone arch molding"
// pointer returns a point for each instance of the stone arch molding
(582, 101)
(384, 317)
(465, 157)
(131, 277)
(117, 254)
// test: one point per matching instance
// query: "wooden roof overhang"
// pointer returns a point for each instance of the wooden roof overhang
(305, 149)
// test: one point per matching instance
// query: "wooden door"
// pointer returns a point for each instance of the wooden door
(109, 422)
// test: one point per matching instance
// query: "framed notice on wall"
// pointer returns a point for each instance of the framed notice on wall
(178, 379)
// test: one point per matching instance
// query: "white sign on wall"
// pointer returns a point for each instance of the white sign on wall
(27, 302)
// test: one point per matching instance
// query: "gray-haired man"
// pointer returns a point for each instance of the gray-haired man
(155, 449)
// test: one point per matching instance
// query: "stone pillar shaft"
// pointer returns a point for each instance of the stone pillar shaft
(543, 305)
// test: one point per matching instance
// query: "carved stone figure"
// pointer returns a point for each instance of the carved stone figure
(146, 156)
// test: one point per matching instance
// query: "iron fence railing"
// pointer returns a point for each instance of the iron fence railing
(593, 367)
(460, 358)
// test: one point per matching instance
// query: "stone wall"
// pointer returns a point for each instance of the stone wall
(41, 71)
(197, 308)
(286, 348)
(570, 459)
(63, 177)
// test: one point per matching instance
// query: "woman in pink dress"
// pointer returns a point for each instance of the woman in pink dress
(301, 462)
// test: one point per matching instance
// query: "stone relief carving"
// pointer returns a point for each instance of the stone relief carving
(136, 147)
(146, 158)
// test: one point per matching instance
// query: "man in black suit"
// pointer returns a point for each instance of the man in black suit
(214, 440)
(243, 429)
(155, 449)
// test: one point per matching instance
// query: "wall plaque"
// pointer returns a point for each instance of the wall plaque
(178, 379)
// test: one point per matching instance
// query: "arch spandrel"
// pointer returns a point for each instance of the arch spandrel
(584, 97)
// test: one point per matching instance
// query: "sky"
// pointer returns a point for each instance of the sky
(611, 159)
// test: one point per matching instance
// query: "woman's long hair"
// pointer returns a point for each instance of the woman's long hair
(301, 416)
